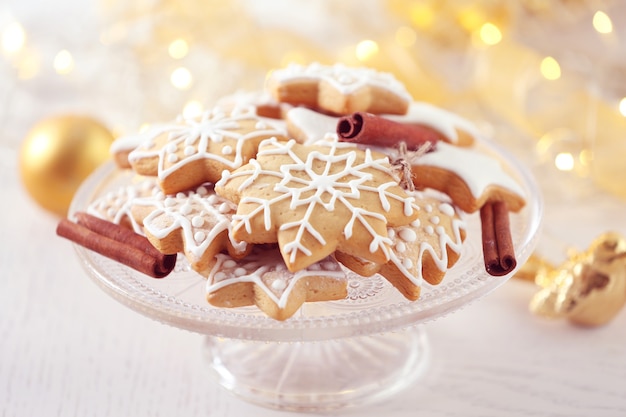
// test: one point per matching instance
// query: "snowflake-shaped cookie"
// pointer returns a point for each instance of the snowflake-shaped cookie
(197, 150)
(339, 89)
(315, 199)
(197, 223)
(421, 251)
(262, 278)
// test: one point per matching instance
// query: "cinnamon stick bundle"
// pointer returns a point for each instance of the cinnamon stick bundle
(117, 243)
(361, 127)
(498, 250)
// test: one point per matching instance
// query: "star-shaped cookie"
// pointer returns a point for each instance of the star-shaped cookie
(196, 223)
(197, 150)
(421, 251)
(262, 278)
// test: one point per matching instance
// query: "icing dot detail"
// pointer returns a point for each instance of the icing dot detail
(279, 285)
(229, 264)
(186, 209)
(224, 208)
(199, 236)
(197, 221)
(189, 150)
(446, 209)
(408, 235)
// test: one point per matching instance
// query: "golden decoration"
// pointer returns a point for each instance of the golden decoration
(589, 289)
(58, 154)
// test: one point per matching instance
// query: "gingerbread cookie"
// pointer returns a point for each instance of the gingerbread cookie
(262, 278)
(421, 251)
(469, 177)
(197, 150)
(339, 89)
(197, 223)
(316, 199)
(116, 205)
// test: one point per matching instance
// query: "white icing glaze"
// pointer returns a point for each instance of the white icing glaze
(478, 170)
(313, 125)
(200, 218)
(437, 118)
(203, 138)
(268, 271)
(299, 184)
(344, 79)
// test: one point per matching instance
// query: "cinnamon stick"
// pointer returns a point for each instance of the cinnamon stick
(361, 127)
(117, 243)
(498, 250)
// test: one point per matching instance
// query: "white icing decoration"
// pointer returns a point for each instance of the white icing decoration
(478, 170)
(195, 136)
(408, 235)
(279, 285)
(302, 186)
(344, 79)
(197, 221)
(115, 206)
(227, 271)
(412, 268)
(201, 219)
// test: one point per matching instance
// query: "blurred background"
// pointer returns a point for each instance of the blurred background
(544, 78)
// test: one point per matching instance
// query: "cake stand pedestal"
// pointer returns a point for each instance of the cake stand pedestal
(319, 376)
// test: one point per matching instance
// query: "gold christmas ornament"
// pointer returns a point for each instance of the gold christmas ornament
(58, 154)
(589, 289)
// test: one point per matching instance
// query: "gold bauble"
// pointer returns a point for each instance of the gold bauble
(58, 154)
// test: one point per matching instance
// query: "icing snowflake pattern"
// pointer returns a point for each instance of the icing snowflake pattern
(299, 196)
(215, 141)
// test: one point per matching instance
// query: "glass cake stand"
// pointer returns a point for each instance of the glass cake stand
(331, 354)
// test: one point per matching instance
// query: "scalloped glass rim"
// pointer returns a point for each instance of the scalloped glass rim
(157, 299)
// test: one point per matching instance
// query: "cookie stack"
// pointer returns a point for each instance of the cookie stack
(272, 201)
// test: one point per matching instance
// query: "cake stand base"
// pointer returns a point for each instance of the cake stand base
(319, 376)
